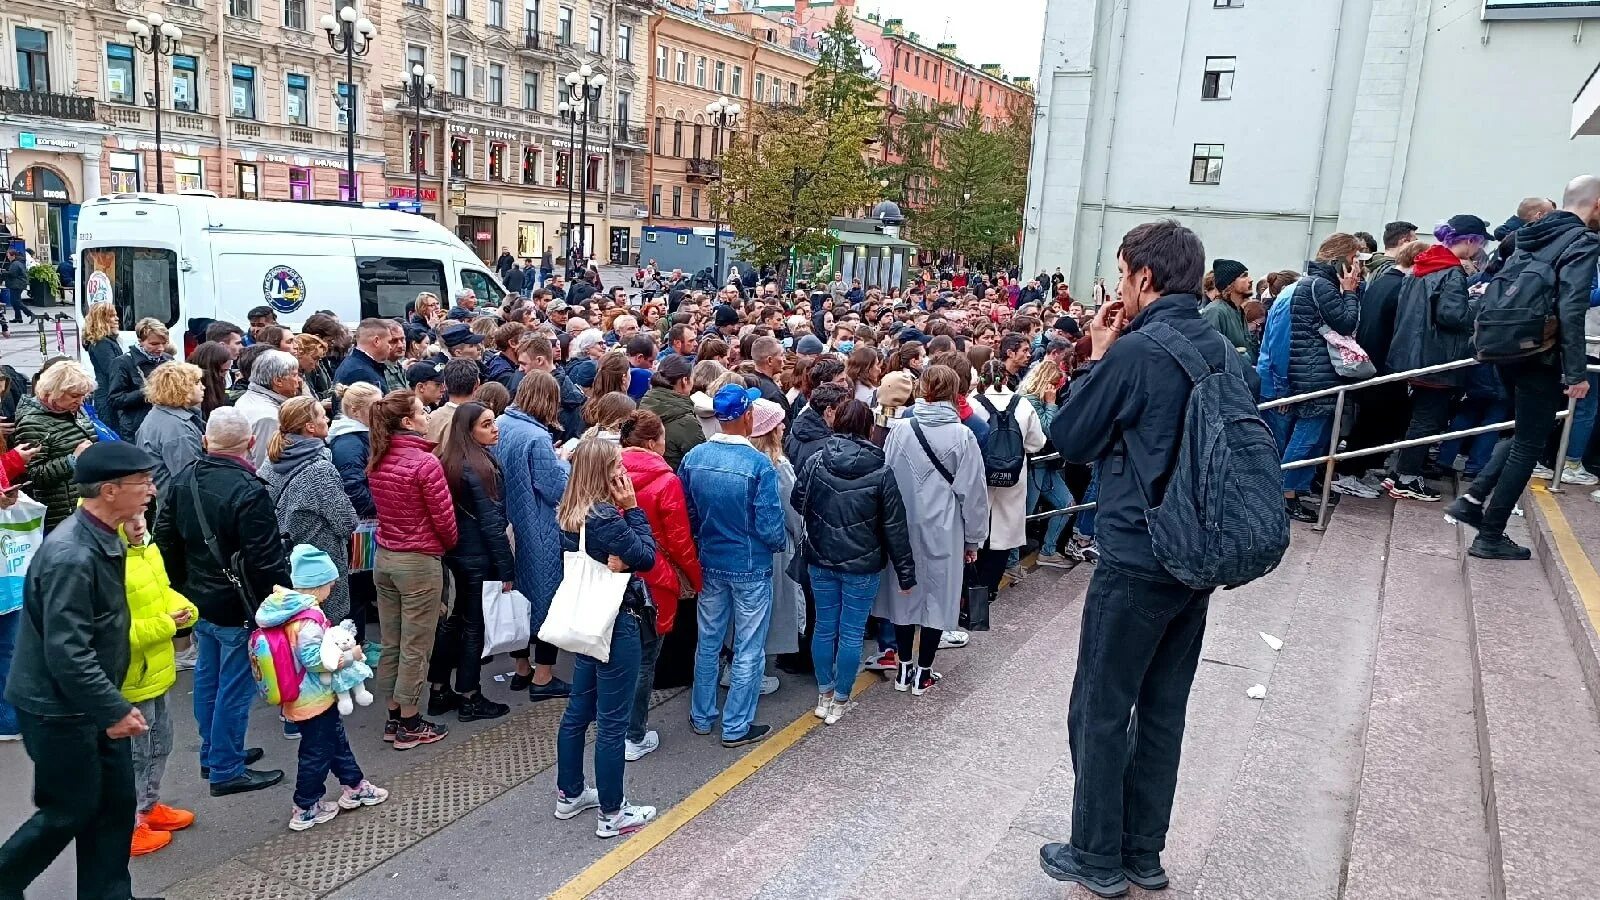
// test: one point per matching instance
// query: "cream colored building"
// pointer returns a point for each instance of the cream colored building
(493, 150)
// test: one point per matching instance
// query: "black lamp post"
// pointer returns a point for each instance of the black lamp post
(419, 89)
(157, 38)
(585, 85)
(569, 115)
(724, 113)
(350, 34)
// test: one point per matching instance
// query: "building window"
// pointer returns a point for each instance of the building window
(591, 172)
(625, 42)
(458, 75)
(245, 181)
(294, 14)
(497, 161)
(458, 8)
(460, 155)
(530, 90)
(661, 62)
(698, 130)
(655, 202)
(346, 102)
(1227, 4)
(419, 152)
(680, 66)
(532, 165)
(624, 100)
(119, 73)
(33, 60)
(244, 92)
(700, 71)
(564, 25)
(530, 239)
(242, 9)
(794, 94)
(677, 139)
(299, 183)
(190, 172)
(694, 203)
(719, 76)
(596, 33)
(657, 141)
(415, 56)
(124, 172)
(497, 84)
(344, 187)
(738, 80)
(563, 167)
(677, 201)
(621, 176)
(530, 16)
(1218, 81)
(1205, 166)
(761, 87)
(777, 91)
(497, 13)
(184, 73)
(295, 105)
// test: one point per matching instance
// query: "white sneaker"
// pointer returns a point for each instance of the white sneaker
(954, 639)
(567, 808)
(626, 820)
(635, 752)
(823, 702)
(1593, 495)
(1351, 486)
(1054, 561)
(1574, 473)
(313, 815)
(1542, 471)
(1017, 572)
(836, 710)
(186, 658)
(769, 683)
(9, 737)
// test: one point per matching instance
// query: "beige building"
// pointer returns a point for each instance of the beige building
(493, 152)
(250, 97)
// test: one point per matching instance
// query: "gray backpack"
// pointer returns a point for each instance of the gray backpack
(1222, 521)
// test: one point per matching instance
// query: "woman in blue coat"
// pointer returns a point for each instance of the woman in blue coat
(535, 479)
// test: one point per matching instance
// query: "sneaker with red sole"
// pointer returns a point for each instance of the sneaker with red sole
(391, 727)
(887, 661)
(421, 731)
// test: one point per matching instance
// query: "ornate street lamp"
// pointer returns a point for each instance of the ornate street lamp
(419, 89)
(350, 34)
(586, 85)
(724, 113)
(156, 37)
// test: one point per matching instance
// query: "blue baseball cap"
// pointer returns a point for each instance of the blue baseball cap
(732, 402)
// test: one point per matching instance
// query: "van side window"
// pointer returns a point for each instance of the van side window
(488, 291)
(142, 282)
(389, 284)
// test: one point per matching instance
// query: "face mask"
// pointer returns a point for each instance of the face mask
(846, 346)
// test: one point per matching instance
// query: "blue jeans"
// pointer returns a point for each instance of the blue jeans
(602, 693)
(1472, 414)
(843, 602)
(1085, 525)
(1044, 481)
(323, 748)
(747, 605)
(223, 692)
(1300, 437)
(1583, 416)
(8, 645)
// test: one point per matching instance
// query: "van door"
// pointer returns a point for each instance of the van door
(296, 275)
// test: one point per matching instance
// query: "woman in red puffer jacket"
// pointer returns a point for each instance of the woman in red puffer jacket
(660, 496)
(416, 526)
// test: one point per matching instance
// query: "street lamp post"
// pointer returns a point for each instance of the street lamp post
(350, 34)
(724, 113)
(569, 115)
(158, 38)
(419, 89)
(586, 84)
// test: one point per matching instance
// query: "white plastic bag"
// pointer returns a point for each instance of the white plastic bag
(585, 606)
(21, 533)
(506, 617)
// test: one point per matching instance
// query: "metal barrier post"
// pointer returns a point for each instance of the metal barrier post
(1327, 472)
(1561, 449)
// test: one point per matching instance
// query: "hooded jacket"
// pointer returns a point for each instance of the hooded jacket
(305, 637)
(172, 436)
(351, 444)
(806, 437)
(677, 413)
(854, 515)
(1433, 319)
(660, 495)
(152, 664)
(313, 508)
(415, 512)
(1574, 262)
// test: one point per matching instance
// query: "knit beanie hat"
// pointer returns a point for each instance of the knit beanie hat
(1226, 271)
(310, 567)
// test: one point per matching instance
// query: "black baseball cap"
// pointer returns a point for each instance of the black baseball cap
(461, 334)
(423, 372)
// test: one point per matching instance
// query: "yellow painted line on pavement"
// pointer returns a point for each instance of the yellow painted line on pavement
(635, 847)
(1579, 567)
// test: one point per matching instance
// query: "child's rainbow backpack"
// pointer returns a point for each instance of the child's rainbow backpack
(273, 662)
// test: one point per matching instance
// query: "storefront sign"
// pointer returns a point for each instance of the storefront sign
(429, 195)
(498, 134)
(27, 140)
(133, 143)
(483, 236)
(39, 183)
(254, 155)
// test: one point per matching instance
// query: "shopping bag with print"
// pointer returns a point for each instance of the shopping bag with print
(21, 532)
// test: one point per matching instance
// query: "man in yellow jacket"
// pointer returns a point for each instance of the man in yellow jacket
(157, 612)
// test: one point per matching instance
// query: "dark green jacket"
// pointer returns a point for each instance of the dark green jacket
(1229, 322)
(55, 434)
(677, 414)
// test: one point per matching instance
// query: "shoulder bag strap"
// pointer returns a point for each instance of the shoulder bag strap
(228, 567)
(916, 429)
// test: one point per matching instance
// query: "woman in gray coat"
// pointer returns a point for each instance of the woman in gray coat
(308, 494)
(939, 469)
(171, 431)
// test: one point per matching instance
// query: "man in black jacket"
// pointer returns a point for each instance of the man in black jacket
(1141, 627)
(66, 679)
(814, 424)
(236, 510)
(1564, 239)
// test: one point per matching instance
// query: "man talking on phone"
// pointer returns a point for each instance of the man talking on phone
(71, 658)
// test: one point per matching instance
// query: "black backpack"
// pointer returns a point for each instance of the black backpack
(1003, 456)
(1221, 522)
(1517, 312)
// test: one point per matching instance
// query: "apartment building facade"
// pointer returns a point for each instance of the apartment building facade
(493, 154)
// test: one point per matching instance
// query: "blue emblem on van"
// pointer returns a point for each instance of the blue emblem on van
(284, 289)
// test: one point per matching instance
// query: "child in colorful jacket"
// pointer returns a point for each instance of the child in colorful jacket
(156, 612)
(323, 744)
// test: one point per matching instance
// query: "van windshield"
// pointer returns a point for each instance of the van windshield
(142, 282)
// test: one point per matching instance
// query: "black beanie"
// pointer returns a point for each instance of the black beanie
(1225, 272)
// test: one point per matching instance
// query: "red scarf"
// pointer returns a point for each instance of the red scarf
(1436, 258)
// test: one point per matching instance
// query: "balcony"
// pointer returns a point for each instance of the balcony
(542, 44)
(48, 106)
(702, 171)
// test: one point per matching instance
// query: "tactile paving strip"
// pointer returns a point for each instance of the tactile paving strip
(425, 800)
(236, 881)
(325, 857)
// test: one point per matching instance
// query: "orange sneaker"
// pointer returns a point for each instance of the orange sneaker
(162, 817)
(148, 840)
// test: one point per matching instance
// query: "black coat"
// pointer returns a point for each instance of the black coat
(1379, 303)
(242, 517)
(1575, 267)
(482, 551)
(1433, 325)
(125, 394)
(854, 514)
(806, 437)
(103, 355)
(1316, 302)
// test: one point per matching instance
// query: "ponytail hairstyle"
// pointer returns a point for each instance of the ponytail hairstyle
(387, 418)
(293, 417)
(992, 376)
(641, 428)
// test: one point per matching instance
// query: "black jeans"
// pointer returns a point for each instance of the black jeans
(990, 568)
(458, 640)
(1381, 416)
(1430, 413)
(906, 635)
(649, 652)
(324, 748)
(1536, 396)
(83, 788)
(1137, 655)
(363, 603)
(543, 654)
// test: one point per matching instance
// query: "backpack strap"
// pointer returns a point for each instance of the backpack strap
(1179, 348)
(916, 429)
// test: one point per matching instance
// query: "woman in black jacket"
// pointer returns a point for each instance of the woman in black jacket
(482, 554)
(854, 515)
(125, 394)
(100, 329)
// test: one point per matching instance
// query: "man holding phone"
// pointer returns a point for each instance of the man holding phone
(71, 659)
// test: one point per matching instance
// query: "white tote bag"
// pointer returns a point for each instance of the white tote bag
(506, 617)
(585, 606)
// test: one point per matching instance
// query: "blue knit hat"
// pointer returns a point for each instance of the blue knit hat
(310, 567)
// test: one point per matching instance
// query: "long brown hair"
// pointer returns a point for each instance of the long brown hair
(611, 376)
(293, 417)
(539, 395)
(461, 451)
(214, 361)
(385, 421)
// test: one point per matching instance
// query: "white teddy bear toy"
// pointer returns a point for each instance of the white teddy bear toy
(347, 668)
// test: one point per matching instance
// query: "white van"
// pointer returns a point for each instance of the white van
(187, 259)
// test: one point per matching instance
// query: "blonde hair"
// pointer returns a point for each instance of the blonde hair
(358, 399)
(770, 443)
(594, 461)
(172, 384)
(306, 344)
(97, 322)
(149, 326)
(1407, 255)
(293, 417)
(1044, 374)
(64, 377)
